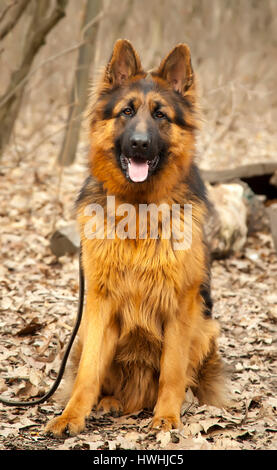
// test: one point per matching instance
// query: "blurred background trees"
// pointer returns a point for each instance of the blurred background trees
(50, 48)
(40, 18)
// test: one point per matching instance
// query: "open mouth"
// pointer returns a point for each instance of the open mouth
(137, 170)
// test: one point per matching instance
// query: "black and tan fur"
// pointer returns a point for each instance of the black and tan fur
(147, 333)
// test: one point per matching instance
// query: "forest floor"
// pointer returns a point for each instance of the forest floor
(39, 297)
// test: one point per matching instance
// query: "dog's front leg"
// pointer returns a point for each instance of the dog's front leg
(175, 373)
(98, 335)
(172, 381)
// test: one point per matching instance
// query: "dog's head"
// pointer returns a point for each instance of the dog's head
(143, 124)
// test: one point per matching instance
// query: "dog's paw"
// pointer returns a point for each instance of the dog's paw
(166, 423)
(65, 425)
(110, 405)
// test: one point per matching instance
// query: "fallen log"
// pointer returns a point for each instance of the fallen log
(240, 172)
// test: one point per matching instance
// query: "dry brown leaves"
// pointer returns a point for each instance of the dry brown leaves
(39, 296)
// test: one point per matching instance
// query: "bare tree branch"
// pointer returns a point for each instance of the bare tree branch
(41, 24)
(53, 58)
(17, 8)
(6, 9)
(79, 91)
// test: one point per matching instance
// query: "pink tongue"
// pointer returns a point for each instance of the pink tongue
(138, 171)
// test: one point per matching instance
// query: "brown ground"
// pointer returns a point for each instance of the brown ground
(38, 306)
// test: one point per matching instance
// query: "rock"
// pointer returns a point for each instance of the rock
(227, 228)
(257, 217)
(65, 240)
(272, 213)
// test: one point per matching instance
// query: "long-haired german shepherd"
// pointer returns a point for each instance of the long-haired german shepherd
(147, 332)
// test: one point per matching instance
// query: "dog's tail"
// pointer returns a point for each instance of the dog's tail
(211, 388)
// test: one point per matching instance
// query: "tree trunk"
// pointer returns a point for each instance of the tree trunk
(79, 93)
(42, 22)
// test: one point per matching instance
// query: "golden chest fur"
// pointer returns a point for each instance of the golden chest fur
(144, 279)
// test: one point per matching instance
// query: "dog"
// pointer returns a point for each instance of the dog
(147, 333)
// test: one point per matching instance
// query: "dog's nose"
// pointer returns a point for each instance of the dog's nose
(140, 142)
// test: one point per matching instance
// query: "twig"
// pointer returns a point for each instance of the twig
(32, 72)
(47, 137)
(219, 135)
(51, 59)
(91, 16)
(18, 10)
(41, 24)
(245, 417)
(187, 409)
(37, 42)
(95, 20)
(6, 9)
(42, 64)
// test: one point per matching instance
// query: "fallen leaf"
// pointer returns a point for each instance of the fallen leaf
(31, 328)
(163, 438)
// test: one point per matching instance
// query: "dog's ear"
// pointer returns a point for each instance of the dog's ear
(123, 65)
(176, 69)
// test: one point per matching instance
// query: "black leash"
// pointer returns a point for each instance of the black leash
(67, 351)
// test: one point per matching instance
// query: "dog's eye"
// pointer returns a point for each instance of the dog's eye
(128, 112)
(159, 115)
